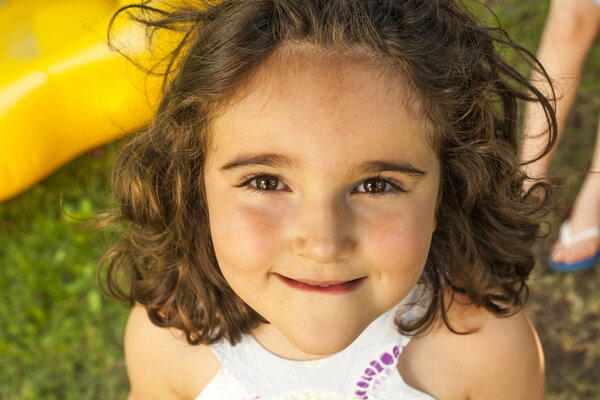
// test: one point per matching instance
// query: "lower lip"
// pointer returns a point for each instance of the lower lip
(339, 288)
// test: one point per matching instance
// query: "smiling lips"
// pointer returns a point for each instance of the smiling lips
(330, 287)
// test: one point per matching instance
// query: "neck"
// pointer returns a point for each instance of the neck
(269, 337)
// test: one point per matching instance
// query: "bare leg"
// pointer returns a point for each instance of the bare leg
(570, 31)
(586, 213)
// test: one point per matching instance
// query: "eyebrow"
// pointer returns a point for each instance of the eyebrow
(278, 160)
(381, 166)
(269, 160)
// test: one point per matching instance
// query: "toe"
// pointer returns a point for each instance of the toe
(558, 253)
(579, 252)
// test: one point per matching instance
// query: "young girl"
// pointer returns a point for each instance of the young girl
(328, 205)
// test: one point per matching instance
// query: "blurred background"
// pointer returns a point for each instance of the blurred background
(60, 337)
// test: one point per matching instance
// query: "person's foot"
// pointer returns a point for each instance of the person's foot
(585, 217)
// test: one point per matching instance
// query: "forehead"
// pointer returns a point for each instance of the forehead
(331, 72)
(303, 95)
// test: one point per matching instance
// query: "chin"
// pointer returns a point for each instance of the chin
(324, 342)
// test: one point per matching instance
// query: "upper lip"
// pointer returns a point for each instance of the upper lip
(319, 282)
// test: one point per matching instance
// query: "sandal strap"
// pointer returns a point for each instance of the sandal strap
(569, 239)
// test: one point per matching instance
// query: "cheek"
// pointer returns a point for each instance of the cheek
(401, 240)
(245, 237)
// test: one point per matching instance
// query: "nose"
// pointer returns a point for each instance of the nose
(324, 231)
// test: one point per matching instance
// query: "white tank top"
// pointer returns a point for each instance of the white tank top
(365, 370)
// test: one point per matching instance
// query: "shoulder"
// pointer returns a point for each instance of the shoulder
(160, 362)
(502, 358)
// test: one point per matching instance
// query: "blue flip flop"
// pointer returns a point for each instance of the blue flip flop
(567, 239)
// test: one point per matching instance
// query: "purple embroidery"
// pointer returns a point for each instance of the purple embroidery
(387, 358)
(377, 366)
(372, 378)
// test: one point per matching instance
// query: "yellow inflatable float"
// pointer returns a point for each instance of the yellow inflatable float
(62, 90)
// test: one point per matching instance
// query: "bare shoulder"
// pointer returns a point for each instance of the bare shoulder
(160, 362)
(505, 358)
(501, 359)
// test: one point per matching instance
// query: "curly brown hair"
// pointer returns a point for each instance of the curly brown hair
(486, 226)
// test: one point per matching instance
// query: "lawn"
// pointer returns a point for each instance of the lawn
(62, 339)
(565, 308)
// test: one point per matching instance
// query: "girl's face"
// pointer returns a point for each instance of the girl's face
(321, 186)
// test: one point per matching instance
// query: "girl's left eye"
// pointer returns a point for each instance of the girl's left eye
(376, 186)
(264, 183)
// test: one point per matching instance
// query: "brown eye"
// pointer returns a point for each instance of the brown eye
(266, 182)
(378, 186)
(375, 186)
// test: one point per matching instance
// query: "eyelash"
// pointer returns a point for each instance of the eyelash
(393, 185)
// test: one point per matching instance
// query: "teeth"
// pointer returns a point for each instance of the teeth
(320, 285)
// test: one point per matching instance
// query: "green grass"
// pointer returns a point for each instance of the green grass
(565, 308)
(61, 339)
